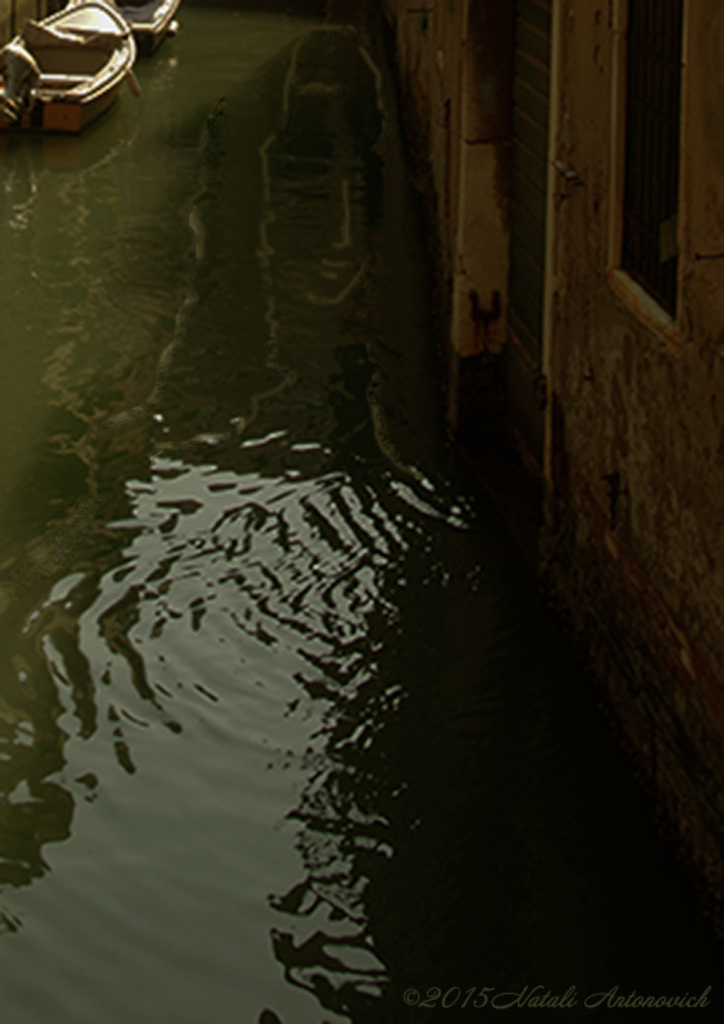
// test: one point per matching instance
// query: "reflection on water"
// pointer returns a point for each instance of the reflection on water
(279, 706)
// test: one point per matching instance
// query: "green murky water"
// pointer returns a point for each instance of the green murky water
(284, 729)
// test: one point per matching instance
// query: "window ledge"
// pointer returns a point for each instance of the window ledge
(645, 308)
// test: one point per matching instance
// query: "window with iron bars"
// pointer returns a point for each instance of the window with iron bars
(651, 183)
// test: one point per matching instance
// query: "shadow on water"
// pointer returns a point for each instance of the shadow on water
(333, 744)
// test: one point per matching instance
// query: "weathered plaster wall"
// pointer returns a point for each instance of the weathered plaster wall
(633, 548)
(636, 430)
(481, 230)
(455, 59)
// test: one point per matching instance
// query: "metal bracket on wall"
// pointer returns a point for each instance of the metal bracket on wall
(571, 180)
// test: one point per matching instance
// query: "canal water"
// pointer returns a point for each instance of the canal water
(286, 733)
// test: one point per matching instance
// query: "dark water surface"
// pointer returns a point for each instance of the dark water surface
(283, 722)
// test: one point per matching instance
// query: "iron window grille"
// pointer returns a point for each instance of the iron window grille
(651, 182)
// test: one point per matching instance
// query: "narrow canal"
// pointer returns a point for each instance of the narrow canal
(285, 730)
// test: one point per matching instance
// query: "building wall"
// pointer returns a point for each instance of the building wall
(632, 550)
(635, 422)
(455, 58)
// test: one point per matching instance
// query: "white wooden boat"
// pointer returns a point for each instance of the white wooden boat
(61, 73)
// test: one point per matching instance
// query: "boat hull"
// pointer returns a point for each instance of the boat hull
(150, 25)
(58, 115)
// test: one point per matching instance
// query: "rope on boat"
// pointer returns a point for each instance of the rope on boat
(133, 84)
